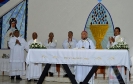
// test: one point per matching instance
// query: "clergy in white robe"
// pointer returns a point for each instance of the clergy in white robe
(9, 32)
(70, 43)
(50, 43)
(113, 41)
(116, 38)
(17, 62)
(82, 70)
(34, 70)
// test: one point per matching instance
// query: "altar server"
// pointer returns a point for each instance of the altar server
(34, 70)
(17, 62)
(50, 43)
(85, 43)
(70, 43)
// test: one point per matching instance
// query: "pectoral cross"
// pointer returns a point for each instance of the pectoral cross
(83, 47)
(83, 43)
(69, 46)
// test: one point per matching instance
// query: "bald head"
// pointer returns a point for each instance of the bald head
(84, 35)
(34, 35)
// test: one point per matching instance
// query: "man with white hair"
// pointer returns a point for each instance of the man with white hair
(82, 70)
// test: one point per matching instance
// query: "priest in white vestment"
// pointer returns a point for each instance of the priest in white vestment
(50, 43)
(70, 43)
(17, 62)
(34, 70)
(9, 32)
(113, 41)
(116, 38)
(82, 71)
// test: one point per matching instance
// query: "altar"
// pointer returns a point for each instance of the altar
(93, 58)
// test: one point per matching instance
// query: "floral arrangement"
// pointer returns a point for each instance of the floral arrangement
(5, 56)
(36, 45)
(120, 45)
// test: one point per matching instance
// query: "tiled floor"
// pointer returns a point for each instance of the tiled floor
(6, 80)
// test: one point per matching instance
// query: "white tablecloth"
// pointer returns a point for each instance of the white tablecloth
(80, 57)
(4, 64)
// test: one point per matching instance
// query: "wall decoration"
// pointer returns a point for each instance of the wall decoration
(99, 25)
(19, 15)
(2, 2)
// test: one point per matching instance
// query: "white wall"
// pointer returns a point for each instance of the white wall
(60, 16)
(8, 6)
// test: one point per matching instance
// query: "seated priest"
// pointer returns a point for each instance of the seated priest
(50, 43)
(82, 70)
(113, 41)
(70, 43)
(17, 46)
(34, 70)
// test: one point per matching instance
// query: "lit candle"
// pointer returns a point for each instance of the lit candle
(35, 41)
(121, 40)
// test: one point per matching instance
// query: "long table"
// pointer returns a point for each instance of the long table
(93, 58)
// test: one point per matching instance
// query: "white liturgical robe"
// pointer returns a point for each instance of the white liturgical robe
(117, 38)
(112, 76)
(70, 45)
(82, 71)
(7, 37)
(51, 45)
(34, 70)
(17, 61)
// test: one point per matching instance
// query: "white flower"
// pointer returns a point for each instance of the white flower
(125, 43)
(32, 45)
(56, 41)
(35, 41)
(35, 45)
(121, 39)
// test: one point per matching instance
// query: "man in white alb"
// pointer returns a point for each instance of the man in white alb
(70, 43)
(17, 62)
(116, 38)
(34, 70)
(85, 43)
(113, 41)
(50, 43)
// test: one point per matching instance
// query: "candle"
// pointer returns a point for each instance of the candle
(121, 40)
(35, 41)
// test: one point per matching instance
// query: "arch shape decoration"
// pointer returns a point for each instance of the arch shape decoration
(99, 25)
